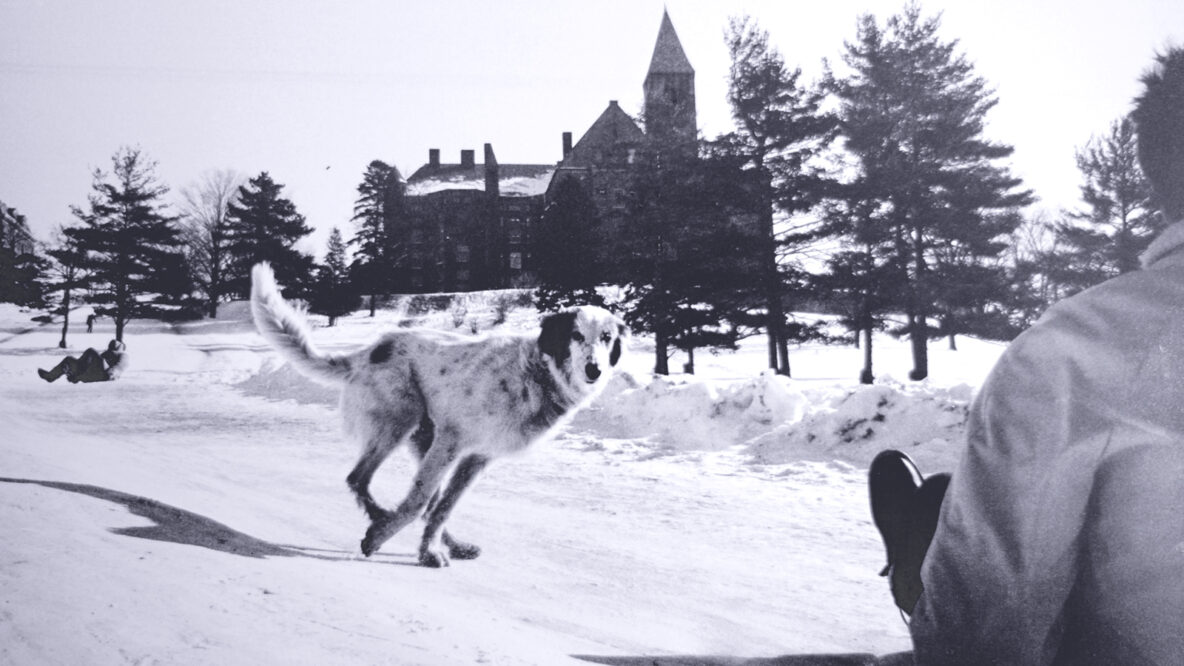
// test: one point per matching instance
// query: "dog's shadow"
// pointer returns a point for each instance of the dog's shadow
(175, 525)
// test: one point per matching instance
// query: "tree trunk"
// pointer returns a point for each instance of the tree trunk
(119, 324)
(661, 353)
(213, 307)
(65, 317)
(918, 328)
(919, 340)
(690, 366)
(783, 350)
(953, 345)
(866, 376)
(372, 305)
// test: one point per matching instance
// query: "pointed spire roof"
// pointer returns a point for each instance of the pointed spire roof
(669, 58)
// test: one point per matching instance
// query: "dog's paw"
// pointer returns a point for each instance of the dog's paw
(463, 551)
(377, 535)
(434, 559)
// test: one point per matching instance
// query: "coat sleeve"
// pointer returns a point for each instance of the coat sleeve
(1003, 560)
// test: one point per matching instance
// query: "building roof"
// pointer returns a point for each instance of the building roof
(514, 180)
(613, 127)
(669, 58)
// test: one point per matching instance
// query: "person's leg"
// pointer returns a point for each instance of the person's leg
(66, 365)
(89, 359)
(905, 510)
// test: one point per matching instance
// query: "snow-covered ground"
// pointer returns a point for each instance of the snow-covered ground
(195, 511)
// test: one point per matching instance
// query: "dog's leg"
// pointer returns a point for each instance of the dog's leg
(421, 440)
(427, 480)
(379, 445)
(430, 553)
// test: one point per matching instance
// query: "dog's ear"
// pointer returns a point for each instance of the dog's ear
(555, 339)
(614, 354)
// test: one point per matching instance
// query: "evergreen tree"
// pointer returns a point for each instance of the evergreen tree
(332, 293)
(1107, 238)
(262, 225)
(127, 237)
(913, 113)
(689, 255)
(21, 268)
(205, 221)
(780, 127)
(378, 249)
(565, 263)
(861, 277)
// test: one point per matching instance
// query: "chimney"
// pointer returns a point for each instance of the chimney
(566, 144)
(491, 171)
(467, 158)
(433, 157)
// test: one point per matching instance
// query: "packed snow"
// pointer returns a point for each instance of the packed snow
(195, 511)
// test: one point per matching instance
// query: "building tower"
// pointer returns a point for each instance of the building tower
(669, 87)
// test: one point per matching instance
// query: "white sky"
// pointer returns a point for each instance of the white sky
(312, 91)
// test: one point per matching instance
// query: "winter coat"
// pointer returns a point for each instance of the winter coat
(102, 367)
(1061, 538)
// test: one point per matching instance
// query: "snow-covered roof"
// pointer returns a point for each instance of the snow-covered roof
(514, 180)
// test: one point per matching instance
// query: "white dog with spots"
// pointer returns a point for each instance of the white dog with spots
(460, 400)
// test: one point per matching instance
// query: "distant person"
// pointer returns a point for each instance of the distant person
(1060, 539)
(90, 323)
(91, 366)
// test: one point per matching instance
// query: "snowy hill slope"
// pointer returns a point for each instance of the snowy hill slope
(196, 512)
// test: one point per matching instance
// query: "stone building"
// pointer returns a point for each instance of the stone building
(469, 225)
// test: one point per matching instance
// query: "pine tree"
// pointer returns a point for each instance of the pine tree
(1107, 238)
(780, 127)
(688, 259)
(332, 294)
(378, 210)
(567, 269)
(127, 237)
(913, 114)
(262, 225)
(861, 277)
(21, 267)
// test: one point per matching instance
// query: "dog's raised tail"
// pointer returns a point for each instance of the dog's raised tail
(287, 330)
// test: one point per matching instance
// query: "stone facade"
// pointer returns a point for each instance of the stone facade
(469, 225)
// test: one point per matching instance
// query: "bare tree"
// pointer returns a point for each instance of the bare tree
(203, 225)
(66, 275)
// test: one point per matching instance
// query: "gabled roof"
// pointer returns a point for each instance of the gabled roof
(669, 58)
(514, 180)
(613, 127)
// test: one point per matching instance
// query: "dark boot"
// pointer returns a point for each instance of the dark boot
(905, 508)
(51, 375)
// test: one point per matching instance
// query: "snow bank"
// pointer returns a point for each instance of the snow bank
(689, 414)
(777, 422)
(928, 423)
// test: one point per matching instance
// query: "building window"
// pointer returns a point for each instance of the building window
(462, 254)
(516, 260)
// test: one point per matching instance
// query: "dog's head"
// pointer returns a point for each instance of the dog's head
(585, 343)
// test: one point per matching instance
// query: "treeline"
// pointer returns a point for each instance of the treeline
(872, 194)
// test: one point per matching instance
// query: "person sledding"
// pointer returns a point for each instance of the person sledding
(92, 366)
(1059, 538)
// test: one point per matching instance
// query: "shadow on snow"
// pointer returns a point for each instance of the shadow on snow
(175, 525)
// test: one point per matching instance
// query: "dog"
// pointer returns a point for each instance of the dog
(459, 401)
